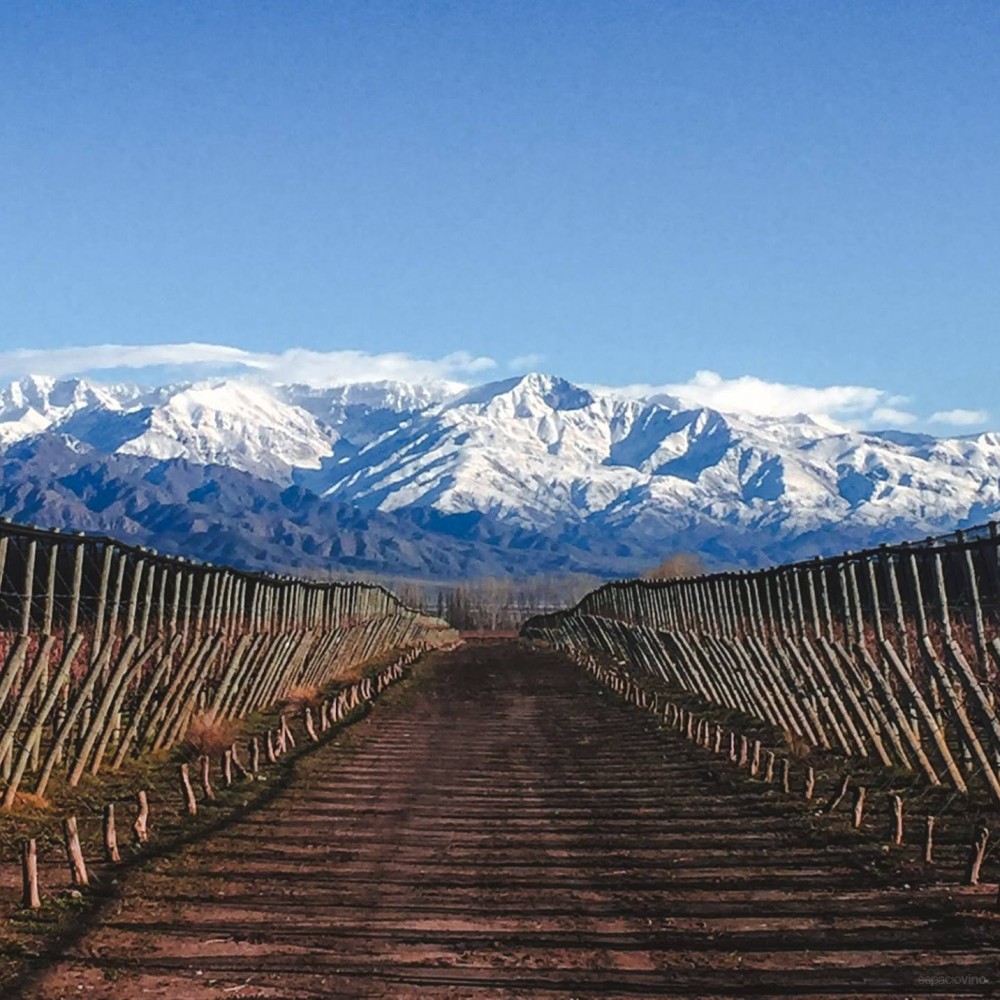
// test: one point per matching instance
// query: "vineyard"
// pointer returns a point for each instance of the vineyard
(888, 656)
(110, 651)
(744, 783)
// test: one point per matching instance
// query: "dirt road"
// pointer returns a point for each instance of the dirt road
(501, 829)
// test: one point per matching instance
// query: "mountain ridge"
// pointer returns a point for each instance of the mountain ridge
(494, 473)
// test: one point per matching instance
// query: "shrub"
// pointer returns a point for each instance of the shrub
(302, 695)
(680, 564)
(208, 735)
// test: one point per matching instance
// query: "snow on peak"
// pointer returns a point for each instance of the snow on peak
(235, 423)
(536, 450)
(331, 402)
(34, 403)
(526, 395)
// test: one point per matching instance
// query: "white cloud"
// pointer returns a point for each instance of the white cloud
(748, 394)
(960, 417)
(294, 365)
(525, 362)
(889, 416)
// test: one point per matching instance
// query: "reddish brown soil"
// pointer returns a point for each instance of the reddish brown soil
(502, 829)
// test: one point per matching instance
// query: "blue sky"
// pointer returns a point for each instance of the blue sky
(620, 192)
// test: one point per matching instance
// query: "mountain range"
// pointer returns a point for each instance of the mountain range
(531, 474)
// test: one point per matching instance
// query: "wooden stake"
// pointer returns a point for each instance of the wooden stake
(786, 786)
(140, 828)
(897, 818)
(307, 721)
(187, 792)
(110, 835)
(755, 759)
(844, 785)
(287, 739)
(255, 756)
(977, 851)
(859, 805)
(929, 841)
(769, 767)
(77, 866)
(732, 747)
(744, 751)
(810, 786)
(227, 768)
(30, 897)
(324, 717)
(205, 767)
(717, 747)
(272, 756)
(237, 763)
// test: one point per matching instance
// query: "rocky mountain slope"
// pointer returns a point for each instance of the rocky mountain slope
(528, 474)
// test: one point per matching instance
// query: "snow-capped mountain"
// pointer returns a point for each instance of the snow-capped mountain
(31, 405)
(538, 449)
(532, 463)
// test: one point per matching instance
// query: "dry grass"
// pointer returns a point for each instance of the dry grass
(302, 695)
(207, 735)
(30, 801)
(798, 747)
(676, 567)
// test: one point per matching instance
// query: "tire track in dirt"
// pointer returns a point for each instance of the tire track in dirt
(501, 828)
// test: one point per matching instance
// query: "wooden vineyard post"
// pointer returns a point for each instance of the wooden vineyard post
(307, 720)
(140, 828)
(810, 786)
(237, 763)
(717, 747)
(110, 835)
(205, 767)
(744, 751)
(859, 806)
(286, 738)
(929, 841)
(786, 785)
(187, 792)
(977, 851)
(839, 797)
(74, 853)
(272, 756)
(227, 767)
(769, 768)
(255, 756)
(755, 759)
(31, 898)
(897, 818)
